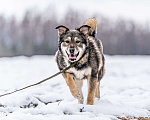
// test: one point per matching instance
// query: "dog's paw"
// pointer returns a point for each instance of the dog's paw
(90, 101)
(80, 100)
(75, 93)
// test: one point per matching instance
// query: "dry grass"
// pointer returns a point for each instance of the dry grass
(135, 118)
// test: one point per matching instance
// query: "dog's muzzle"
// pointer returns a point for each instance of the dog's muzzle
(72, 56)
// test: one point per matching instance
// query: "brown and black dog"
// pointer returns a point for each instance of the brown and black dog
(81, 44)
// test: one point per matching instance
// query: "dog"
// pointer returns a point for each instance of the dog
(81, 45)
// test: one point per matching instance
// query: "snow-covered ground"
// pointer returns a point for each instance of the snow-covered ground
(125, 90)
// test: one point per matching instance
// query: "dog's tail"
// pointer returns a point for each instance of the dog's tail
(93, 24)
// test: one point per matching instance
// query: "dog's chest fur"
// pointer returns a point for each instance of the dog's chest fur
(80, 74)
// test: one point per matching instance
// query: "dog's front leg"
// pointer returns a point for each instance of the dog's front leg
(92, 82)
(71, 83)
(79, 84)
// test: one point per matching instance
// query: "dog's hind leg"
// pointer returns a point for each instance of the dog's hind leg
(79, 84)
(91, 90)
(100, 75)
(72, 85)
(97, 92)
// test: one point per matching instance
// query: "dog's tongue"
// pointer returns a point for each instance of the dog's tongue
(72, 56)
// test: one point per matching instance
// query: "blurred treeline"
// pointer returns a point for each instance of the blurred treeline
(35, 34)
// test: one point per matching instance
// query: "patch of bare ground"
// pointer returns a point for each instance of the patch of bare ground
(135, 118)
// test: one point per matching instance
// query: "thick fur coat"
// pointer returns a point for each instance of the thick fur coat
(81, 45)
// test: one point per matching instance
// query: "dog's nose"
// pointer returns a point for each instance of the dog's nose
(71, 50)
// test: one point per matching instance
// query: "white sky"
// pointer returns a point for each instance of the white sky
(138, 10)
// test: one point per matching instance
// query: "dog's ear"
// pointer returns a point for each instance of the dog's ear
(84, 29)
(62, 29)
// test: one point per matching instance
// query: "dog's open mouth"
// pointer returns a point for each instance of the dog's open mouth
(72, 57)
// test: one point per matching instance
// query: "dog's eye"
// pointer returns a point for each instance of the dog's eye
(67, 41)
(77, 41)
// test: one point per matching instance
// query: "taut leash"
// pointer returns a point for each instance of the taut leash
(62, 71)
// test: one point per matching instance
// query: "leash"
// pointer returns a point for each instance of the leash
(62, 71)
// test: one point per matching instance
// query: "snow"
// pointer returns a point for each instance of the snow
(125, 90)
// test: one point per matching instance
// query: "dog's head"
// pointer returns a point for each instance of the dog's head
(72, 43)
